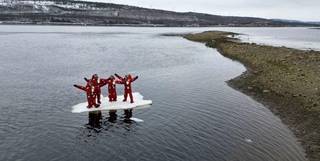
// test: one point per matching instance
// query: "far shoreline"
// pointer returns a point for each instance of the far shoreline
(141, 25)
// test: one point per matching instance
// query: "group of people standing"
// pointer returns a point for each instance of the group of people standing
(93, 88)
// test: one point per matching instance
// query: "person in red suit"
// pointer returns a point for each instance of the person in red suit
(111, 81)
(91, 96)
(97, 84)
(127, 80)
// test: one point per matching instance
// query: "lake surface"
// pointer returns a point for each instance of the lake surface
(195, 115)
(299, 38)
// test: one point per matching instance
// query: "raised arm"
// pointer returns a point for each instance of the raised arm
(135, 78)
(103, 82)
(86, 79)
(118, 76)
(119, 81)
(80, 87)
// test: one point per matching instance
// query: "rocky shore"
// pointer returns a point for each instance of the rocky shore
(285, 80)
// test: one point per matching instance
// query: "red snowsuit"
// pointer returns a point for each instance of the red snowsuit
(127, 86)
(91, 96)
(111, 88)
(97, 84)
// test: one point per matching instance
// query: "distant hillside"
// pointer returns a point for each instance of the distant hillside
(91, 13)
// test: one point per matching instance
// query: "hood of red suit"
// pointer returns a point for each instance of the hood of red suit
(95, 77)
(129, 76)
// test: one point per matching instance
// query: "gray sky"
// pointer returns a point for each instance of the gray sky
(307, 10)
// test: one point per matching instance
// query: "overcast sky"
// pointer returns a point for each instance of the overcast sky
(307, 10)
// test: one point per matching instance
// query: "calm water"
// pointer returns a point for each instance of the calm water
(299, 38)
(195, 115)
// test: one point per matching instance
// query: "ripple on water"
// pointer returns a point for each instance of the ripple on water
(194, 116)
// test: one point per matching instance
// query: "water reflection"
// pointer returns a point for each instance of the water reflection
(94, 120)
(109, 123)
(127, 114)
(112, 116)
(97, 121)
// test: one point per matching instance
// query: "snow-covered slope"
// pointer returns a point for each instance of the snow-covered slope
(45, 5)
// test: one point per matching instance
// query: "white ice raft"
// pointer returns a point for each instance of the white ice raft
(139, 103)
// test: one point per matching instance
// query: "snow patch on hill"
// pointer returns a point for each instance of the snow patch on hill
(43, 5)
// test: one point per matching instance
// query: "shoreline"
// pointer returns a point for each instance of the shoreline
(285, 80)
(140, 25)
